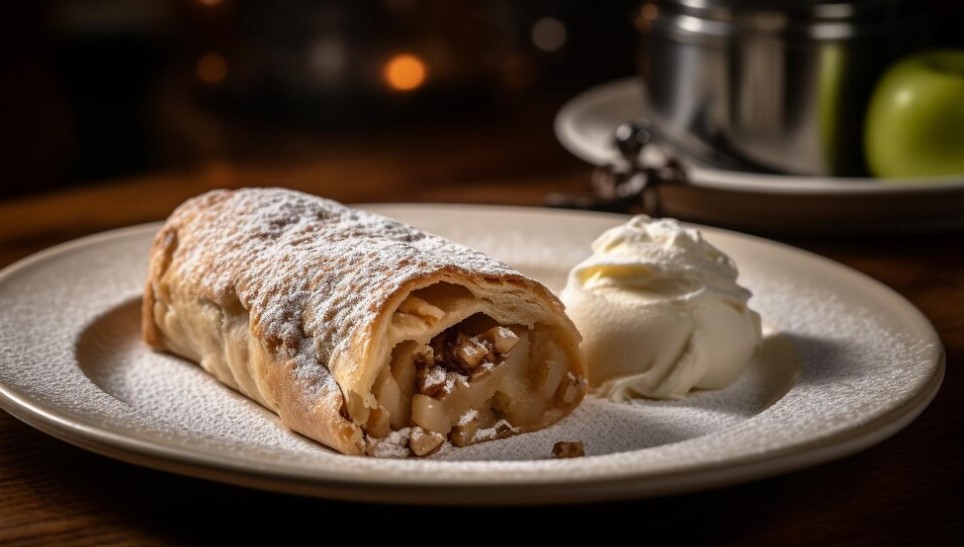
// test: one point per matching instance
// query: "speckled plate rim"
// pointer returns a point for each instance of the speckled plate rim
(425, 481)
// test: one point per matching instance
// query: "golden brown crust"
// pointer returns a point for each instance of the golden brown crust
(289, 298)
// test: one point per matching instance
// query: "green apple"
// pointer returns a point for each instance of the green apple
(915, 119)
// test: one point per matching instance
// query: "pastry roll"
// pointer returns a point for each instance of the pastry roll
(360, 332)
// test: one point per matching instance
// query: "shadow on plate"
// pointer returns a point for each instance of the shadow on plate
(102, 345)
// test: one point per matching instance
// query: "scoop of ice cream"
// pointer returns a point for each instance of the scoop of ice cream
(660, 312)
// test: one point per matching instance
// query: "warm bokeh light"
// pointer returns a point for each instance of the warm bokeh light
(210, 2)
(212, 68)
(646, 16)
(328, 59)
(548, 34)
(404, 72)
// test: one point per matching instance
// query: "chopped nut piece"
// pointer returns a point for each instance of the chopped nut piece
(575, 387)
(430, 380)
(502, 427)
(501, 338)
(464, 431)
(462, 353)
(424, 356)
(568, 449)
(453, 379)
(470, 351)
(422, 442)
(498, 430)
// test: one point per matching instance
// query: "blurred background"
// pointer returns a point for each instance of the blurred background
(100, 89)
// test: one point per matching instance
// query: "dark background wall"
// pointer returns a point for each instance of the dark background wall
(94, 89)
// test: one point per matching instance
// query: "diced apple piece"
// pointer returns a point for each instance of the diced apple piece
(403, 371)
(378, 423)
(548, 377)
(414, 305)
(517, 358)
(357, 408)
(474, 394)
(515, 403)
(480, 389)
(513, 387)
(429, 413)
(390, 397)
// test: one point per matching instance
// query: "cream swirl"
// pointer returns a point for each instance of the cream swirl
(660, 311)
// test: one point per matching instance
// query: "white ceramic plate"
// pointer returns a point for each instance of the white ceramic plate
(755, 201)
(847, 362)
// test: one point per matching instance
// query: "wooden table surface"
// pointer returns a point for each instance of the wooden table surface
(909, 489)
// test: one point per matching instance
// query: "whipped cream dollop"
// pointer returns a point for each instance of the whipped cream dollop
(660, 312)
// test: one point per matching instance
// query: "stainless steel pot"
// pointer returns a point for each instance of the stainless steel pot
(777, 85)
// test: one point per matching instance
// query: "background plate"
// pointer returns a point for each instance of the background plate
(753, 201)
(847, 362)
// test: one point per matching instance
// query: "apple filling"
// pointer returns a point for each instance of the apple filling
(474, 381)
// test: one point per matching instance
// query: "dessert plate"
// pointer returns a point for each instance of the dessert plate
(764, 202)
(846, 362)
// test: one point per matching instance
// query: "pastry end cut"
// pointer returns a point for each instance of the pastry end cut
(460, 371)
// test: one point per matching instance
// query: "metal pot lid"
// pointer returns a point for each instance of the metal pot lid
(799, 19)
(810, 9)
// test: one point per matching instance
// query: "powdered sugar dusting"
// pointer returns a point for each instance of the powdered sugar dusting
(841, 353)
(395, 445)
(312, 272)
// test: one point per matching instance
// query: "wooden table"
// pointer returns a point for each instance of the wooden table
(909, 489)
